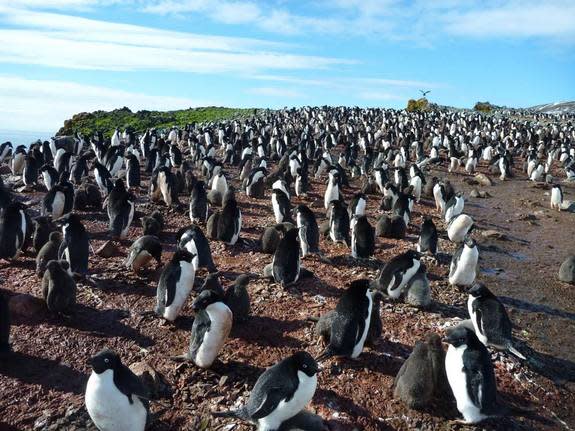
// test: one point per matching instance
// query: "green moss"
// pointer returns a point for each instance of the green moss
(483, 107)
(417, 105)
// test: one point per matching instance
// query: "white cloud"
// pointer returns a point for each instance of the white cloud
(45, 104)
(276, 92)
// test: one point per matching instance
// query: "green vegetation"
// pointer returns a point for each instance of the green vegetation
(483, 107)
(417, 105)
(89, 123)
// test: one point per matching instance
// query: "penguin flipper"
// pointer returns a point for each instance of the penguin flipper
(171, 285)
(130, 384)
(273, 397)
(516, 352)
(396, 281)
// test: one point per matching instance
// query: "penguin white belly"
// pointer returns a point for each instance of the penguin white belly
(276, 207)
(163, 186)
(358, 348)
(459, 228)
(23, 228)
(141, 260)
(183, 288)
(331, 194)
(220, 326)
(124, 232)
(465, 270)
(458, 382)
(416, 183)
(332, 232)
(116, 167)
(286, 410)
(47, 180)
(298, 189)
(353, 244)
(360, 207)
(58, 205)
(109, 408)
(555, 198)
(407, 275)
(303, 242)
(191, 247)
(236, 234)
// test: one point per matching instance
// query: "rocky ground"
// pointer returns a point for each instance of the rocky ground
(522, 245)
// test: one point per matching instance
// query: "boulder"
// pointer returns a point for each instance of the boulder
(484, 180)
(567, 270)
(153, 381)
(107, 250)
(26, 306)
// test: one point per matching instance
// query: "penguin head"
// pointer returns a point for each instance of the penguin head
(119, 184)
(54, 266)
(433, 341)
(105, 360)
(305, 363)
(479, 290)
(413, 254)
(69, 218)
(212, 282)
(242, 280)
(206, 298)
(460, 336)
(469, 242)
(55, 236)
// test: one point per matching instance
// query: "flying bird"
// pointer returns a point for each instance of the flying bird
(424, 93)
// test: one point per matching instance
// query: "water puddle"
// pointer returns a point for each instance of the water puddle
(518, 256)
(492, 271)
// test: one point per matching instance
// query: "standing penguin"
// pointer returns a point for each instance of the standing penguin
(350, 325)
(285, 266)
(427, 242)
(199, 203)
(490, 320)
(397, 273)
(30, 171)
(332, 192)
(237, 298)
(255, 182)
(212, 325)
(116, 398)
(219, 183)
(14, 229)
(4, 324)
(230, 222)
(339, 223)
(556, 197)
(459, 227)
(362, 238)
(18, 159)
(280, 393)
(463, 268)
(132, 172)
(103, 178)
(308, 230)
(193, 239)
(59, 200)
(75, 247)
(121, 207)
(48, 252)
(43, 226)
(281, 206)
(142, 251)
(470, 375)
(357, 205)
(49, 176)
(454, 207)
(175, 284)
(58, 287)
(153, 224)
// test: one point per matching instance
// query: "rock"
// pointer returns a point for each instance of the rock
(470, 181)
(27, 306)
(567, 270)
(495, 234)
(107, 250)
(474, 193)
(483, 194)
(483, 179)
(154, 381)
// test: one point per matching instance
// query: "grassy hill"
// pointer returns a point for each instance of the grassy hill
(106, 121)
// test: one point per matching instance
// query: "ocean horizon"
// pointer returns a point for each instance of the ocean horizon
(23, 137)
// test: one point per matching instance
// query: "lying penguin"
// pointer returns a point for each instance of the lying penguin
(142, 251)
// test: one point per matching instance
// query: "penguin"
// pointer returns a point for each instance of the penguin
(391, 227)
(280, 393)
(132, 172)
(153, 224)
(87, 196)
(18, 159)
(304, 421)
(219, 183)
(417, 182)
(30, 171)
(282, 185)
(49, 176)
(255, 183)
(417, 291)
(281, 206)
(471, 163)
(14, 230)
(504, 168)
(470, 375)
(286, 266)
(397, 273)
(351, 322)
(332, 192)
(142, 251)
(162, 185)
(212, 282)
(75, 246)
(121, 207)
(556, 197)
(4, 324)
(357, 205)
(193, 240)
(48, 252)
(212, 225)
(175, 284)
(79, 169)
(199, 203)
(301, 182)
(59, 200)
(459, 227)
(421, 380)
(237, 298)
(362, 238)
(43, 226)
(490, 320)
(103, 178)
(308, 230)
(402, 207)
(230, 222)
(454, 207)
(5, 151)
(440, 196)
(212, 325)
(272, 235)
(339, 223)
(58, 287)
(463, 268)
(427, 242)
(116, 399)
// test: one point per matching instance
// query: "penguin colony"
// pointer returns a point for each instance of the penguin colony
(270, 159)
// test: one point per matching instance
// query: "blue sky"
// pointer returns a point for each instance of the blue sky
(59, 57)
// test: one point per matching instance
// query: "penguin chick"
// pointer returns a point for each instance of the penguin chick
(48, 252)
(153, 224)
(304, 421)
(4, 324)
(237, 298)
(58, 287)
(142, 251)
(212, 282)
(43, 226)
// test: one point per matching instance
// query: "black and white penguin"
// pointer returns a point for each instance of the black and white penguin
(30, 171)
(505, 168)
(440, 196)
(230, 222)
(142, 251)
(49, 176)
(219, 183)
(459, 227)
(280, 393)
(286, 265)
(4, 323)
(132, 172)
(14, 230)
(5, 151)
(490, 320)
(116, 399)
(556, 197)
(304, 421)
(463, 268)
(339, 223)
(308, 230)
(396, 274)
(193, 239)
(350, 325)
(43, 226)
(362, 238)
(103, 178)
(301, 182)
(332, 192)
(79, 169)
(48, 252)
(175, 284)
(255, 183)
(357, 205)
(199, 203)
(237, 298)
(121, 207)
(470, 375)
(454, 206)
(163, 186)
(153, 224)
(212, 324)
(75, 246)
(427, 242)
(58, 287)
(281, 206)
(18, 159)
(59, 200)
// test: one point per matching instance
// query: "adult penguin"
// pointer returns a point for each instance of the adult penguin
(301, 182)
(142, 252)
(75, 246)
(281, 206)
(49, 176)
(362, 238)
(280, 393)
(308, 230)
(59, 200)
(30, 171)
(14, 229)
(230, 221)
(396, 274)
(212, 325)
(58, 287)
(350, 325)
(454, 206)
(48, 252)
(463, 268)
(80, 169)
(132, 172)
(103, 178)
(43, 226)
(199, 203)
(255, 183)
(286, 266)
(18, 158)
(332, 192)
(116, 399)
(490, 320)
(193, 239)
(339, 223)
(4, 324)
(556, 197)
(121, 207)
(427, 242)
(459, 227)
(357, 205)
(163, 186)
(470, 375)
(219, 183)
(237, 298)
(175, 284)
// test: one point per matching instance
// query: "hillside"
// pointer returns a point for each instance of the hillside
(106, 121)
(555, 108)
